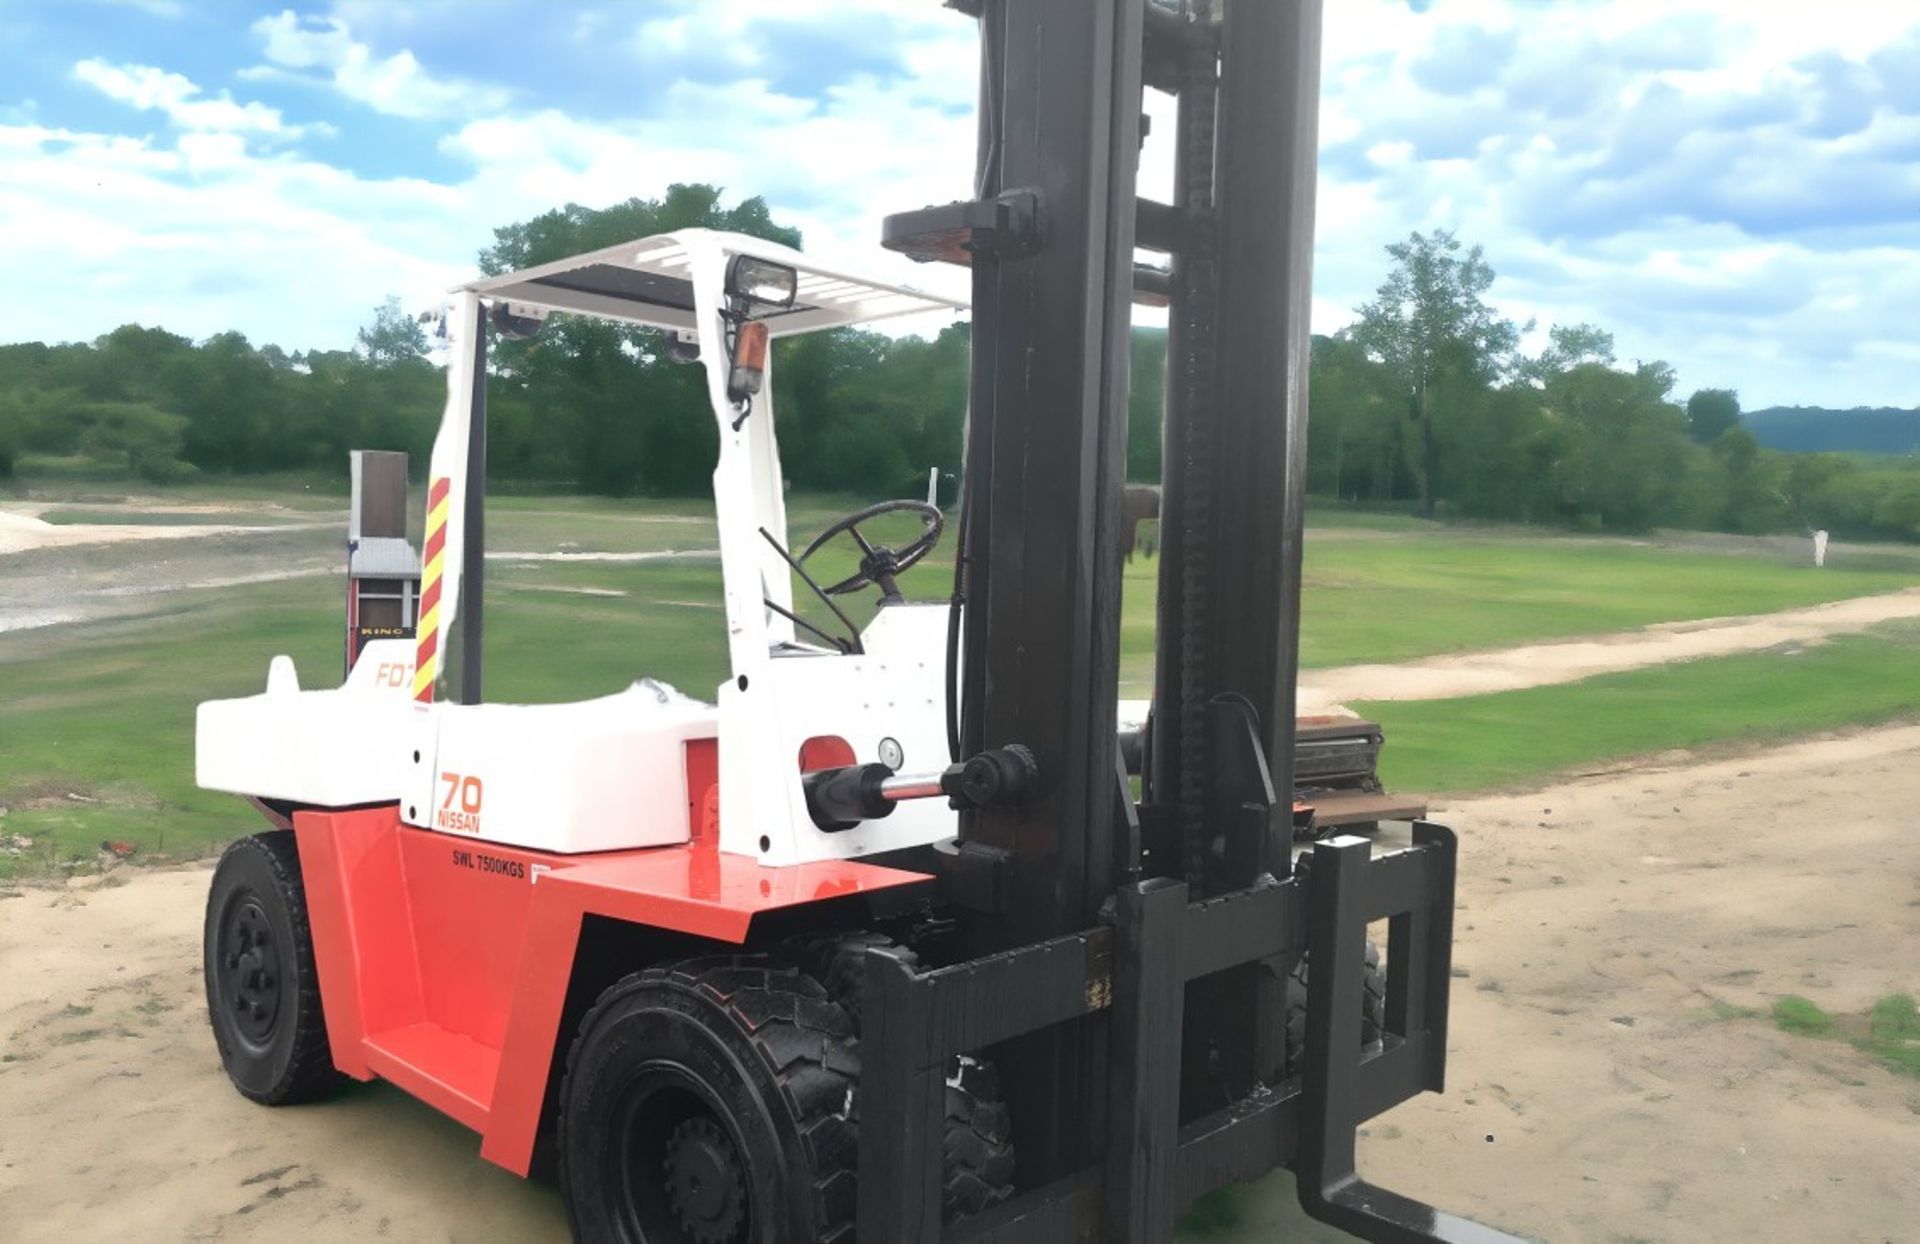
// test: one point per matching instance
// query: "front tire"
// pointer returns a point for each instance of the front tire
(263, 994)
(709, 1102)
(977, 1138)
(1373, 1009)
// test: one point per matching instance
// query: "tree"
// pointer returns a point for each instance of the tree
(393, 337)
(1898, 509)
(9, 437)
(1622, 456)
(1354, 442)
(1711, 412)
(1430, 326)
(1750, 484)
(147, 438)
(231, 399)
(1823, 491)
(1568, 346)
(630, 420)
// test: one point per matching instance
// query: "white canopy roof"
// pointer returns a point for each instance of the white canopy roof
(646, 281)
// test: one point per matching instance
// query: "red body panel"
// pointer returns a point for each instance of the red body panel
(444, 961)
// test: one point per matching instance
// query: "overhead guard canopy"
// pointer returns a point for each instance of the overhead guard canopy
(647, 281)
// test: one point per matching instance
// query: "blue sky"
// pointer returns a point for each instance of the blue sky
(1731, 186)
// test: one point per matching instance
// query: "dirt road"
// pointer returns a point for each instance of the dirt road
(1604, 1086)
(22, 532)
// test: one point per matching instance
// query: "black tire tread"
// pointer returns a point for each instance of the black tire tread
(802, 1038)
(311, 1075)
(839, 962)
(976, 1145)
(1373, 1008)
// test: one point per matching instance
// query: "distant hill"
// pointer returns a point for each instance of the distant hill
(1814, 429)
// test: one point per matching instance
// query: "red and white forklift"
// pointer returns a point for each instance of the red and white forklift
(881, 940)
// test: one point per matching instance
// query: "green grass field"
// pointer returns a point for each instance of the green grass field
(96, 720)
(1481, 742)
(1426, 590)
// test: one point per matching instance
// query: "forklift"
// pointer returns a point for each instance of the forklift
(894, 940)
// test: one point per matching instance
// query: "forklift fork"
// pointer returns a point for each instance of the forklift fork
(1337, 1093)
(1135, 970)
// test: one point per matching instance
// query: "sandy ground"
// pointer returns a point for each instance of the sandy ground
(65, 584)
(54, 575)
(1594, 1094)
(1538, 665)
(22, 532)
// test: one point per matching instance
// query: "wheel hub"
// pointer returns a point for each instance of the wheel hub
(250, 970)
(706, 1186)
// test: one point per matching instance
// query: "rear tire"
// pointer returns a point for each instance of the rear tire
(263, 994)
(709, 1102)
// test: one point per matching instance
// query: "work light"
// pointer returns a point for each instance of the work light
(763, 284)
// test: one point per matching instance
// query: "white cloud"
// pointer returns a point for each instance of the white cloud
(293, 250)
(201, 235)
(832, 168)
(1390, 153)
(183, 103)
(398, 85)
(1730, 188)
(1690, 175)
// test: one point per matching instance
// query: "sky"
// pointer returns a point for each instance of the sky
(1732, 186)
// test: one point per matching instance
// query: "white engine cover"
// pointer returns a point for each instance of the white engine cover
(329, 749)
(599, 775)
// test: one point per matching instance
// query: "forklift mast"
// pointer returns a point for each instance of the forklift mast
(1178, 913)
(1054, 281)
(1052, 294)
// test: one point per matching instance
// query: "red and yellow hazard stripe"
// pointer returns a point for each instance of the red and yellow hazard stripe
(427, 645)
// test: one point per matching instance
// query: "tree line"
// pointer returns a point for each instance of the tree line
(1427, 402)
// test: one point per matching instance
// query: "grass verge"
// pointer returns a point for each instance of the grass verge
(96, 721)
(1888, 1032)
(1501, 740)
(1384, 593)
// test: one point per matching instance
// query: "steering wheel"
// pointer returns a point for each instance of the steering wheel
(878, 563)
